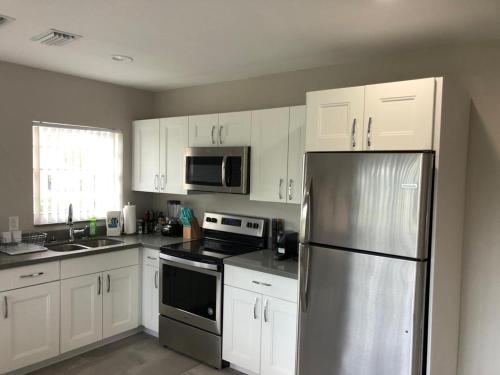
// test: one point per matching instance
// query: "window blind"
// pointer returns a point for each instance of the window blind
(77, 165)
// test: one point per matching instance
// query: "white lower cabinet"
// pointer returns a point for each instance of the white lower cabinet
(242, 328)
(150, 297)
(29, 325)
(279, 337)
(81, 311)
(260, 331)
(120, 301)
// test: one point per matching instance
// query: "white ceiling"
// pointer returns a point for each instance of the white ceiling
(179, 43)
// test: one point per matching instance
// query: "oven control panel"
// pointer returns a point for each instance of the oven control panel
(251, 226)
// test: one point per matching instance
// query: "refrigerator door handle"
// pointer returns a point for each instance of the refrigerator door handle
(304, 265)
(305, 214)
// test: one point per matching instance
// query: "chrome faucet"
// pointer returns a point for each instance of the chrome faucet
(73, 231)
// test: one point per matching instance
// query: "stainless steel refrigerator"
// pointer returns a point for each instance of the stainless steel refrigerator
(364, 245)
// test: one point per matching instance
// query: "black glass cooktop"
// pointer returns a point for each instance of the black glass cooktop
(208, 250)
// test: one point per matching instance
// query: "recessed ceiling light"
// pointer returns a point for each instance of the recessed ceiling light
(122, 58)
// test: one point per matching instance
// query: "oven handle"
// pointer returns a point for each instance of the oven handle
(188, 262)
(223, 177)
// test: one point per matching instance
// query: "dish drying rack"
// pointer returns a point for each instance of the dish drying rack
(31, 242)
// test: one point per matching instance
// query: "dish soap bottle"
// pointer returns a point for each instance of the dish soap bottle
(93, 227)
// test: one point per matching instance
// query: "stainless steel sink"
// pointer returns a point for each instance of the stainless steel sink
(67, 247)
(99, 242)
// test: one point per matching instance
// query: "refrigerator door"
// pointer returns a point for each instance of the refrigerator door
(378, 202)
(360, 314)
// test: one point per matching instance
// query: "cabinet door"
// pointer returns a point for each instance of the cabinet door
(120, 301)
(150, 297)
(279, 337)
(400, 115)
(29, 325)
(269, 154)
(335, 119)
(203, 130)
(234, 129)
(81, 311)
(296, 144)
(173, 141)
(242, 328)
(145, 176)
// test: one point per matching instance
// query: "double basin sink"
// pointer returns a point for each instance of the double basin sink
(84, 244)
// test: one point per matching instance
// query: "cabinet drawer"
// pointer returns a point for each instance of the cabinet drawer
(150, 257)
(261, 282)
(20, 277)
(86, 265)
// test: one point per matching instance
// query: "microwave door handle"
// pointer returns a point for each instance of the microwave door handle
(223, 177)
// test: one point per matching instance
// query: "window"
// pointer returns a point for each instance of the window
(78, 165)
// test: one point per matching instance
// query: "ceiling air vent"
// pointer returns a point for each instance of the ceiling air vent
(5, 19)
(55, 38)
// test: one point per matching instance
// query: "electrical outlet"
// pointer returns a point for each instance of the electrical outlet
(13, 223)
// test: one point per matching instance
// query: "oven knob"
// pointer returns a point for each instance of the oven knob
(255, 225)
(249, 225)
(208, 219)
(214, 220)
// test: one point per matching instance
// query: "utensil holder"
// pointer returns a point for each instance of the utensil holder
(193, 232)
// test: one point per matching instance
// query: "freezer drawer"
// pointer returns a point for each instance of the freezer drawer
(372, 201)
(360, 314)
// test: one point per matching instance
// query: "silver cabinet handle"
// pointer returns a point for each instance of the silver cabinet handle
(152, 258)
(213, 129)
(156, 279)
(255, 308)
(369, 132)
(31, 275)
(304, 265)
(109, 283)
(220, 134)
(265, 311)
(6, 304)
(305, 214)
(223, 175)
(99, 285)
(280, 195)
(260, 283)
(353, 134)
(162, 182)
(290, 190)
(156, 182)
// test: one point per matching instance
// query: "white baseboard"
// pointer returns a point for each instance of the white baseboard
(241, 369)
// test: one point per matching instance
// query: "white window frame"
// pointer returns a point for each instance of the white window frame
(82, 209)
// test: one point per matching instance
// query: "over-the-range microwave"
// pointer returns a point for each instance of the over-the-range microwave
(217, 169)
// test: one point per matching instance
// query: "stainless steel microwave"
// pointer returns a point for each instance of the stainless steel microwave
(217, 169)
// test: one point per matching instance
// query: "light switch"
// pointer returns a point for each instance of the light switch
(13, 223)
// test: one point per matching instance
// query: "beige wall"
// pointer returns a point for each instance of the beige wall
(28, 94)
(478, 69)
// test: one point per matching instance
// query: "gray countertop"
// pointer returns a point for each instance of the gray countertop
(264, 261)
(153, 241)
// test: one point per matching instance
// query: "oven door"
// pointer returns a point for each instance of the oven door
(191, 292)
(217, 169)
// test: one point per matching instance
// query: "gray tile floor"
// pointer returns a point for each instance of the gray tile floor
(137, 354)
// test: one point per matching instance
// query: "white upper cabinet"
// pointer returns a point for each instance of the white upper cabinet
(386, 116)
(120, 301)
(203, 130)
(173, 141)
(335, 119)
(146, 151)
(81, 311)
(234, 129)
(29, 325)
(279, 337)
(158, 154)
(269, 154)
(296, 146)
(400, 115)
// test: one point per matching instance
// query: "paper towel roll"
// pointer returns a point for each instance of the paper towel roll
(129, 219)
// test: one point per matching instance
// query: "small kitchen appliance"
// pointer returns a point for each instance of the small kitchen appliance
(173, 227)
(191, 282)
(287, 245)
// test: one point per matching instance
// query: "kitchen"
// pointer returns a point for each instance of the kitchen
(41, 95)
